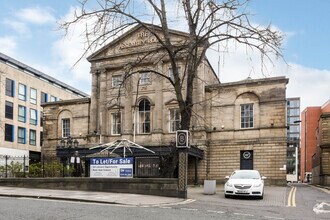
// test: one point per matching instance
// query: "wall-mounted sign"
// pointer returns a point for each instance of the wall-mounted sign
(182, 139)
(111, 167)
(246, 154)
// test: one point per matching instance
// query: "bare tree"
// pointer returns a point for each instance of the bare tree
(208, 23)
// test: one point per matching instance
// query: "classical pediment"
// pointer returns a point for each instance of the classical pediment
(171, 102)
(138, 39)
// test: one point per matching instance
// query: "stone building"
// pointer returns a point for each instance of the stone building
(235, 125)
(23, 90)
(321, 155)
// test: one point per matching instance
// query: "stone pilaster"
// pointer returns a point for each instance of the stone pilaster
(102, 105)
(94, 103)
(158, 110)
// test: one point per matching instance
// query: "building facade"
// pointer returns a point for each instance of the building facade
(23, 90)
(293, 146)
(321, 156)
(239, 125)
(310, 129)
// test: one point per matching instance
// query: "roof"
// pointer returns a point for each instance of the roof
(250, 81)
(130, 31)
(38, 74)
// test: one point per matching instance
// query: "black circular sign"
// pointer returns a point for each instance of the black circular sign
(246, 155)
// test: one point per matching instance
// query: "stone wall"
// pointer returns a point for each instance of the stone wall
(148, 186)
(77, 111)
(266, 139)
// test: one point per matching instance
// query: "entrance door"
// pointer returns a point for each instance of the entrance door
(246, 160)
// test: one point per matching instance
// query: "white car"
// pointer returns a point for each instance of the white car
(245, 183)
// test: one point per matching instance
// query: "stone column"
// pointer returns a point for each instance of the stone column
(94, 103)
(183, 175)
(158, 100)
(102, 105)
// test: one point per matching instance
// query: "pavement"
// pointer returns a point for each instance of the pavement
(194, 193)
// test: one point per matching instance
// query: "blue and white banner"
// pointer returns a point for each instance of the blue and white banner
(111, 167)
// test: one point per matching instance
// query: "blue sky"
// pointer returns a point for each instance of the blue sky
(29, 34)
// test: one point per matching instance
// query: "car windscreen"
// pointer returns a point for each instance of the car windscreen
(245, 175)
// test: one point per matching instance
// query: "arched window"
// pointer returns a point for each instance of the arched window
(144, 117)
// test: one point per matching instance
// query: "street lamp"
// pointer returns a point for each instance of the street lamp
(67, 144)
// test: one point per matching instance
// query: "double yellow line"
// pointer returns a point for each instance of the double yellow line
(292, 197)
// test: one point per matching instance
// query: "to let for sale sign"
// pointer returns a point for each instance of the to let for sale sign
(111, 167)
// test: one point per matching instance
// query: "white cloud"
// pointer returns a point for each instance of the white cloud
(8, 46)
(36, 15)
(17, 26)
(67, 51)
(310, 84)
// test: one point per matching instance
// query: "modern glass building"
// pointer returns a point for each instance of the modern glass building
(293, 135)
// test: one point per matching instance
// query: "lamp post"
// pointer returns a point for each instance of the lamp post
(297, 151)
(67, 144)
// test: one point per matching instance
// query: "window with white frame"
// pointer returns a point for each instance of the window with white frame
(33, 96)
(117, 81)
(144, 117)
(22, 92)
(115, 123)
(145, 78)
(21, 113)
(174, 120)
(33, 116)
(247, 116)
(65, 127)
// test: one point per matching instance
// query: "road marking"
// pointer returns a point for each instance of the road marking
(319, 208)
(187, 209)
(292, 197)
(213, 211)
(271, 217)
(243, 214)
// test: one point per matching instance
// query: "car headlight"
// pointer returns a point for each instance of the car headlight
(229, 184)
(257, 184)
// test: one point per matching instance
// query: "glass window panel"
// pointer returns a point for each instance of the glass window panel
(145, 78)
(115, 123)
(21, 113)
(9, 132)
(21, 135)
(65, 127)
(9, 110)
(117, 81)
(22, 92)
(174, 120)
(247, 116)
(33, 96)
(10, 87)
(33, 137)
(33, 116)
(144, 116)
